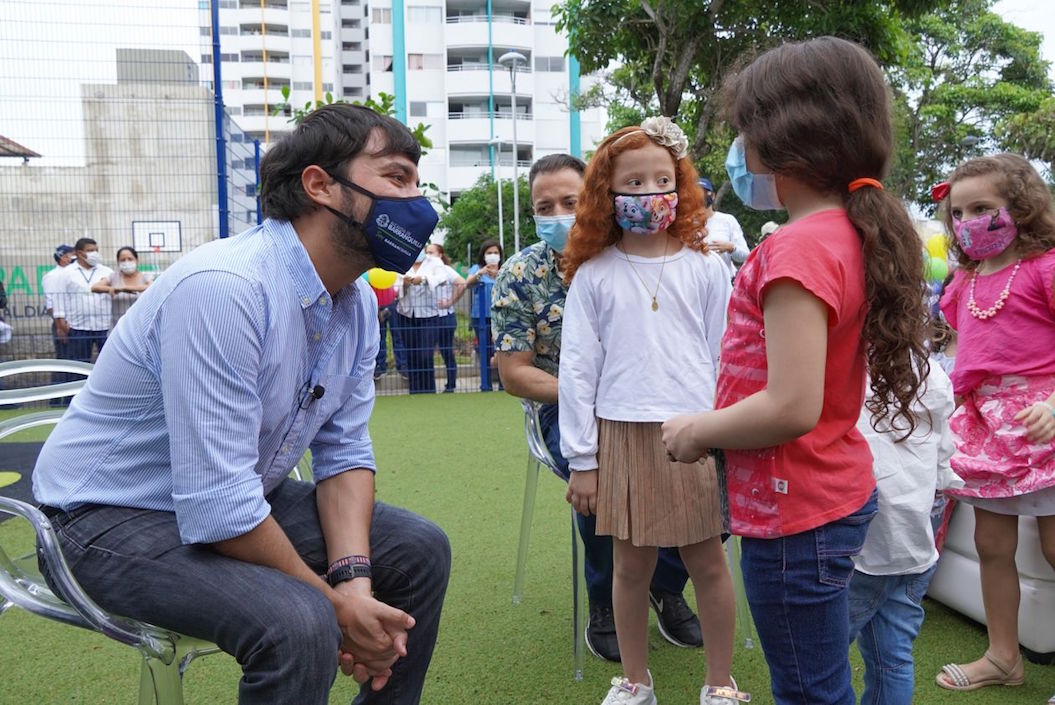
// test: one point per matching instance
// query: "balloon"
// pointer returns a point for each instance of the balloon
(936, 269)
(380, 278)
(936, 247)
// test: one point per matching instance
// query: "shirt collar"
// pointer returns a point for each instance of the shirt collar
(306, 281)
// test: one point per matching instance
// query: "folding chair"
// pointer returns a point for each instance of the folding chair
(165, 654)
(539, 455)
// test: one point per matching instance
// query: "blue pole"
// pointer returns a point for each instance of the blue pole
(221, 139)
(399, 60)
(483, 336)
(574, 126)
(256, 170)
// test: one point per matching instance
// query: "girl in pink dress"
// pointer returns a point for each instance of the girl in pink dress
(1002, 304)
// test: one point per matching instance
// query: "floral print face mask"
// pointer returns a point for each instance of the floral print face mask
(645, 213)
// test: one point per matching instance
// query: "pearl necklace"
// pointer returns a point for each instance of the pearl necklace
(981, 314)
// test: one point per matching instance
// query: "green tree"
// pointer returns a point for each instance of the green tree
(1032, 134)
(967, 72)
(473, 218)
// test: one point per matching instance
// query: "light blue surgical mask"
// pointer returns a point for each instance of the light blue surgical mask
(757, 191)
(553, 229)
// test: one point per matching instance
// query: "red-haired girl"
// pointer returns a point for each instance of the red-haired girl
(642, 324)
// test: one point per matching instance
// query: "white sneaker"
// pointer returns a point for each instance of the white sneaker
(624, 692)
(723, 694)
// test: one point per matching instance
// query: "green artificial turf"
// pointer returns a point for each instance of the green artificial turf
(460, 460)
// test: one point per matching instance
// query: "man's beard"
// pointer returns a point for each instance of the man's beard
(348, 240)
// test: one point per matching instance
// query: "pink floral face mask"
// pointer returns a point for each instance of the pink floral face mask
(987, 235)
(646, 213)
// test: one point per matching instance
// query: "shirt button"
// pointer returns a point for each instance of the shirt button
(285, 448)
(317, 337)
(322, 300)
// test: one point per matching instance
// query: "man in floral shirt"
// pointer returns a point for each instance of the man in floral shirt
(526, 313)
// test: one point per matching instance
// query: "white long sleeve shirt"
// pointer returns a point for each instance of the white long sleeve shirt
(51, 283)
(722, 227)
(900, 539)
(622, 361)
(74, 300)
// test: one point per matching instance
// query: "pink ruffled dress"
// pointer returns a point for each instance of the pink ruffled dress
(1004, 363)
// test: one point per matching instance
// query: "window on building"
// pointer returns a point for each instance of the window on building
(418, 108)
(327, 87)
(235, 109)
(353, 92)
(381, 15)
(250, 190)
(205, 31)
(302, 85)
(326, 35)
(420, 62)
(300, 33)
(352, 68)
(228, 30)
(382, 62)
(418, 14)
(250, 215)
(351, 24)
(351, 46)
(549, 63)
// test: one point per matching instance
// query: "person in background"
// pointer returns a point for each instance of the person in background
(899, 558)
(527, 311)
(80, 314)
(126, 284)
(483, 274)
(51, 283)
(724, 234)
(387, 300)
(447, 287)
(767, 229)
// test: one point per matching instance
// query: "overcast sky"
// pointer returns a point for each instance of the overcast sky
(48, 48)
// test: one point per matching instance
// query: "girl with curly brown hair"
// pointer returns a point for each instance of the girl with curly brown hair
(642, 325)
(835, 291)
(1000, 213)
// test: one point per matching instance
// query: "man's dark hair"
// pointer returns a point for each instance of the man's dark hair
(84, 242)
(328, 137)
(555, 162)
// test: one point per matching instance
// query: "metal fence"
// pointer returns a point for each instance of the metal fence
(108, 131)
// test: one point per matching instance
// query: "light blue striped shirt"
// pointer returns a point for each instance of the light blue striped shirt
(199, 403)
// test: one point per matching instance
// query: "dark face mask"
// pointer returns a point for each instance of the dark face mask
(396, 229)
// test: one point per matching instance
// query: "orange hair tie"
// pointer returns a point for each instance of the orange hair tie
(861, 183)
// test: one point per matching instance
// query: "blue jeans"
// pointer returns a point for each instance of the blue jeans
(885, 617)
(388, 320)
(419, 336)
(282, 631)
(445, 341)
(797, 589)
(670, 574)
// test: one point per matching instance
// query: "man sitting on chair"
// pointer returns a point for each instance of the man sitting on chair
(527, 308)
(167, 479)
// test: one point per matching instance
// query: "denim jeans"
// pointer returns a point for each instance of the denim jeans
(445, 341)
(419, 337)
(670, 574)
(797, 589)
(885, 617)
(282, 631)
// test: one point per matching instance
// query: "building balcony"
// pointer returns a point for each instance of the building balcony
(472, 127)
(251, 13)
(256, 96)
(274, 70)
(472, 79)
(506, 31)
(256, 43)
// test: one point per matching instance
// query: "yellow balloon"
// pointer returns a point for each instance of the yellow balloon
(936, 247)
(380, 278)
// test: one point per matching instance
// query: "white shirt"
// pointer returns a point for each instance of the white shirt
(622, 361)
(900, 539)
(722, 227)
(73, 298)
(420, 300)
(51, 282)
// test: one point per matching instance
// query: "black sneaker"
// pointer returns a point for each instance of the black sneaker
(600, 633)
(677, 623)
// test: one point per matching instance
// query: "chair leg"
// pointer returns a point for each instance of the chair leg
(160, 684)
(745, 624)
(578, 587)
(530, 490)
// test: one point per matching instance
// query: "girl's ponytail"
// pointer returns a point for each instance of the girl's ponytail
(895, 324)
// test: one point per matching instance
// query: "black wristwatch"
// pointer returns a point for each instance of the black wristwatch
(347, 572)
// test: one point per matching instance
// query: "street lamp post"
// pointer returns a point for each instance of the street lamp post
(496, 149)
(511, 60)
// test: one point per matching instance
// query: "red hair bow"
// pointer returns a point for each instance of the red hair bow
(939, 191)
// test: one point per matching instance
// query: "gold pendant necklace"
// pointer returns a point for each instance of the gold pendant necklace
(654, 294)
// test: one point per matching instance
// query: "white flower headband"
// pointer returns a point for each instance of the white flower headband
(665, 133)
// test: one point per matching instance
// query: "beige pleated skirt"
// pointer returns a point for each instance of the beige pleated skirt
(644, 497)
